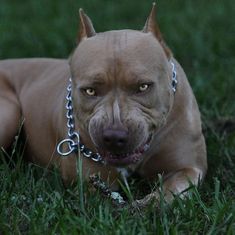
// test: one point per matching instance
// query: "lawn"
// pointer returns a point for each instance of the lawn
(202, 36)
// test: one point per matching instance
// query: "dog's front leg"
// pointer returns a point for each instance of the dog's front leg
(175, 183)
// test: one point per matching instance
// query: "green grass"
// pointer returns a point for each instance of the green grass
(201, 35)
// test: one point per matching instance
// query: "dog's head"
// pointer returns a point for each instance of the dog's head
(121, 88)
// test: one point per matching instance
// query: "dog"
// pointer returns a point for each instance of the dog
(121, 104)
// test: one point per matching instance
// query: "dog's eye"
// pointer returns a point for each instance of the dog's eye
(143, 87)
(90, 91)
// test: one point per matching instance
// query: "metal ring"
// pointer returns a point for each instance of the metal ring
(70, 133)
(69, 88)
(87, 153)
(69, 142)
(96, 157)
(68, 105)
(69, 116)
(76, 135)
(70, 124)
(68, 97)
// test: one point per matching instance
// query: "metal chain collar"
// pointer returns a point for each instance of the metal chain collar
(73, 141)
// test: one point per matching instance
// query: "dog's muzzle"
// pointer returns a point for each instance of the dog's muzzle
(115, 148)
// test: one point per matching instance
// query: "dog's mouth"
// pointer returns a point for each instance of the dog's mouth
(124, 159)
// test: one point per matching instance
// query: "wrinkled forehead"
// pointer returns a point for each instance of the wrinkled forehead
(126, 49)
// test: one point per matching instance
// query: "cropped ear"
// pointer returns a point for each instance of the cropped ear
(152, 26)
(86, 27)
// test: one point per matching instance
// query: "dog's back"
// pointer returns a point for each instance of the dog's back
(26, 86)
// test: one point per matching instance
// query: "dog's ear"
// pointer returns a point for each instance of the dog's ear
(152, 26)
(86, 27)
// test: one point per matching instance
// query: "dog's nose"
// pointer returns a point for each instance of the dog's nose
(115, 140)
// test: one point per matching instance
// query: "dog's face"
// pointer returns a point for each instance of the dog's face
(122, 92)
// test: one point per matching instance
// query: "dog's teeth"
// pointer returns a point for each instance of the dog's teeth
(146, 147)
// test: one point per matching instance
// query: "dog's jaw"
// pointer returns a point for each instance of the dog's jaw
(125, 159)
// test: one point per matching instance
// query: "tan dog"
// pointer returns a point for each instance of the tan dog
(131, 102)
